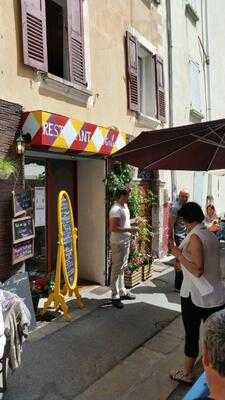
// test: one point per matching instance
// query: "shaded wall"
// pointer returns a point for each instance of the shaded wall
(10, 114)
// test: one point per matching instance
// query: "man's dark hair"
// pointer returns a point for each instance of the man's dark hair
(191, 212)
(122, 191)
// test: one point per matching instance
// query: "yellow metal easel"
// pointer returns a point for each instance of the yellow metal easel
(57, 296)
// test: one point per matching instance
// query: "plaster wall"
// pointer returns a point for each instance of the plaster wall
(217, 57)
(107, 24)
(185, 46)
(91, 220)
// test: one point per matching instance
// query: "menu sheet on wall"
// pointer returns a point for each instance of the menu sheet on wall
(39, 206)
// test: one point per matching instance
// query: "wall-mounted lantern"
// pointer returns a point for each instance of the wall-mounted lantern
(20, 145)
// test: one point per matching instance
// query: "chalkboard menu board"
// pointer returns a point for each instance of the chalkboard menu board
(67, 227)
(23, 229)
(22, 202)
(22, 251)
(19, 284)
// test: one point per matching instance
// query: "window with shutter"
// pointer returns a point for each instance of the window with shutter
(160, 89)
(34, 34)
(133, 86)
(76, 41)
(55, 23)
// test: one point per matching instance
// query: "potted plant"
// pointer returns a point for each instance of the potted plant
(133, 272)
(7, 168)
(146, 267)
(41, 286)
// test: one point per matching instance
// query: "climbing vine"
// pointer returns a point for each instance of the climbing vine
(120, 175)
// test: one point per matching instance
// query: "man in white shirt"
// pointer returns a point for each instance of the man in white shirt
(121, 230)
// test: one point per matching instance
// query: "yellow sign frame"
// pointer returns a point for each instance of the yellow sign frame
(57, 296)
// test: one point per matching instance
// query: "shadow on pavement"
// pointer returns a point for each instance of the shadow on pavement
(63, 364)
(163, 285)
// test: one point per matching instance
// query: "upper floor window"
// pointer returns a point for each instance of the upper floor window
(53, 38)
(195, 86)
(145, 80)
(146, 73)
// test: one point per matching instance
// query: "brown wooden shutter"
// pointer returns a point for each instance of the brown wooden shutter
(34, 34)
(133, 86)
(76, 41)
(160, 89)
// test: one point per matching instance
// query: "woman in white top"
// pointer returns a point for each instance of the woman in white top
(202, 292)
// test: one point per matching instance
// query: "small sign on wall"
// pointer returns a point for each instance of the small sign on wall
(22, 202)
(22, 229)
(39, 206)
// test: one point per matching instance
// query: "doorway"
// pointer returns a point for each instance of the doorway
(45, 179)
(61, 176)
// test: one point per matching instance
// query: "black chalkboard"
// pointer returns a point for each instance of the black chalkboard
(23, 229)
(19, 284)
(68, 240)
(22, 251)
(22, 202)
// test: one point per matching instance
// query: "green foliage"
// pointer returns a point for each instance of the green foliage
(145, 231)
(135, 201)
(40, 179)
(120, 175)
(7, 168)
(152, 200)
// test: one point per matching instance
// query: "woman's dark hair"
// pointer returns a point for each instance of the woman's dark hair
(191, 212)
(122, 191)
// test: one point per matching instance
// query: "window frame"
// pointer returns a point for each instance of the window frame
(143, 120)
(195, 106)
(50, 81)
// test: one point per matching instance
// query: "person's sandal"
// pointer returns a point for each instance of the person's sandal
(179, 376)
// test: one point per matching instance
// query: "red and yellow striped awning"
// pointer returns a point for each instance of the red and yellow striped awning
(55, 132)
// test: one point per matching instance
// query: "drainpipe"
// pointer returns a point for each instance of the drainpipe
(209, 109)
(170, 84)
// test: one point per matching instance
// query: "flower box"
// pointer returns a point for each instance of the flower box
(132, 278)
(146, 271)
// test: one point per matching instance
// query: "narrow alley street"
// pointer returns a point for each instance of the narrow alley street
(105, 353)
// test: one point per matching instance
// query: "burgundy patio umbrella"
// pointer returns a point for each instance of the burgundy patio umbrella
(196, 147)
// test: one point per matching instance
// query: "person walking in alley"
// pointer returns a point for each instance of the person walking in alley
(121, 230)
(214, 354)
(177, 233)
(202, 291)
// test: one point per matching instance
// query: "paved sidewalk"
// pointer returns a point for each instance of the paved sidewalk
(105, 353)
(145, 373)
